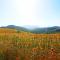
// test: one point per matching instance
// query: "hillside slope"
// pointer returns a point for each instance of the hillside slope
(54, 29)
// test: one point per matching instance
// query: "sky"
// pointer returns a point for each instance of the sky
(42, 13)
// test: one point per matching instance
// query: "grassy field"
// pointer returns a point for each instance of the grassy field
(21, 45)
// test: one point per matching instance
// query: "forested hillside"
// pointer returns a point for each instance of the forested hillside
(47, 30)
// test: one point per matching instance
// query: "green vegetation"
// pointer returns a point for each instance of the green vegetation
(47, 30)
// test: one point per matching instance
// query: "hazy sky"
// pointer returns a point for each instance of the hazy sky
(41, 13)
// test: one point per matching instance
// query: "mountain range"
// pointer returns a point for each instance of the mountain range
(54, 29)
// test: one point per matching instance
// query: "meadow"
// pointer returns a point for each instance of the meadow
(21, 45)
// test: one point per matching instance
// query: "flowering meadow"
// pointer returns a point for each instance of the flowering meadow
(21, 45)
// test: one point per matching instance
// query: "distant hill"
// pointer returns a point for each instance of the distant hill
(19, 28)
(54, 29)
